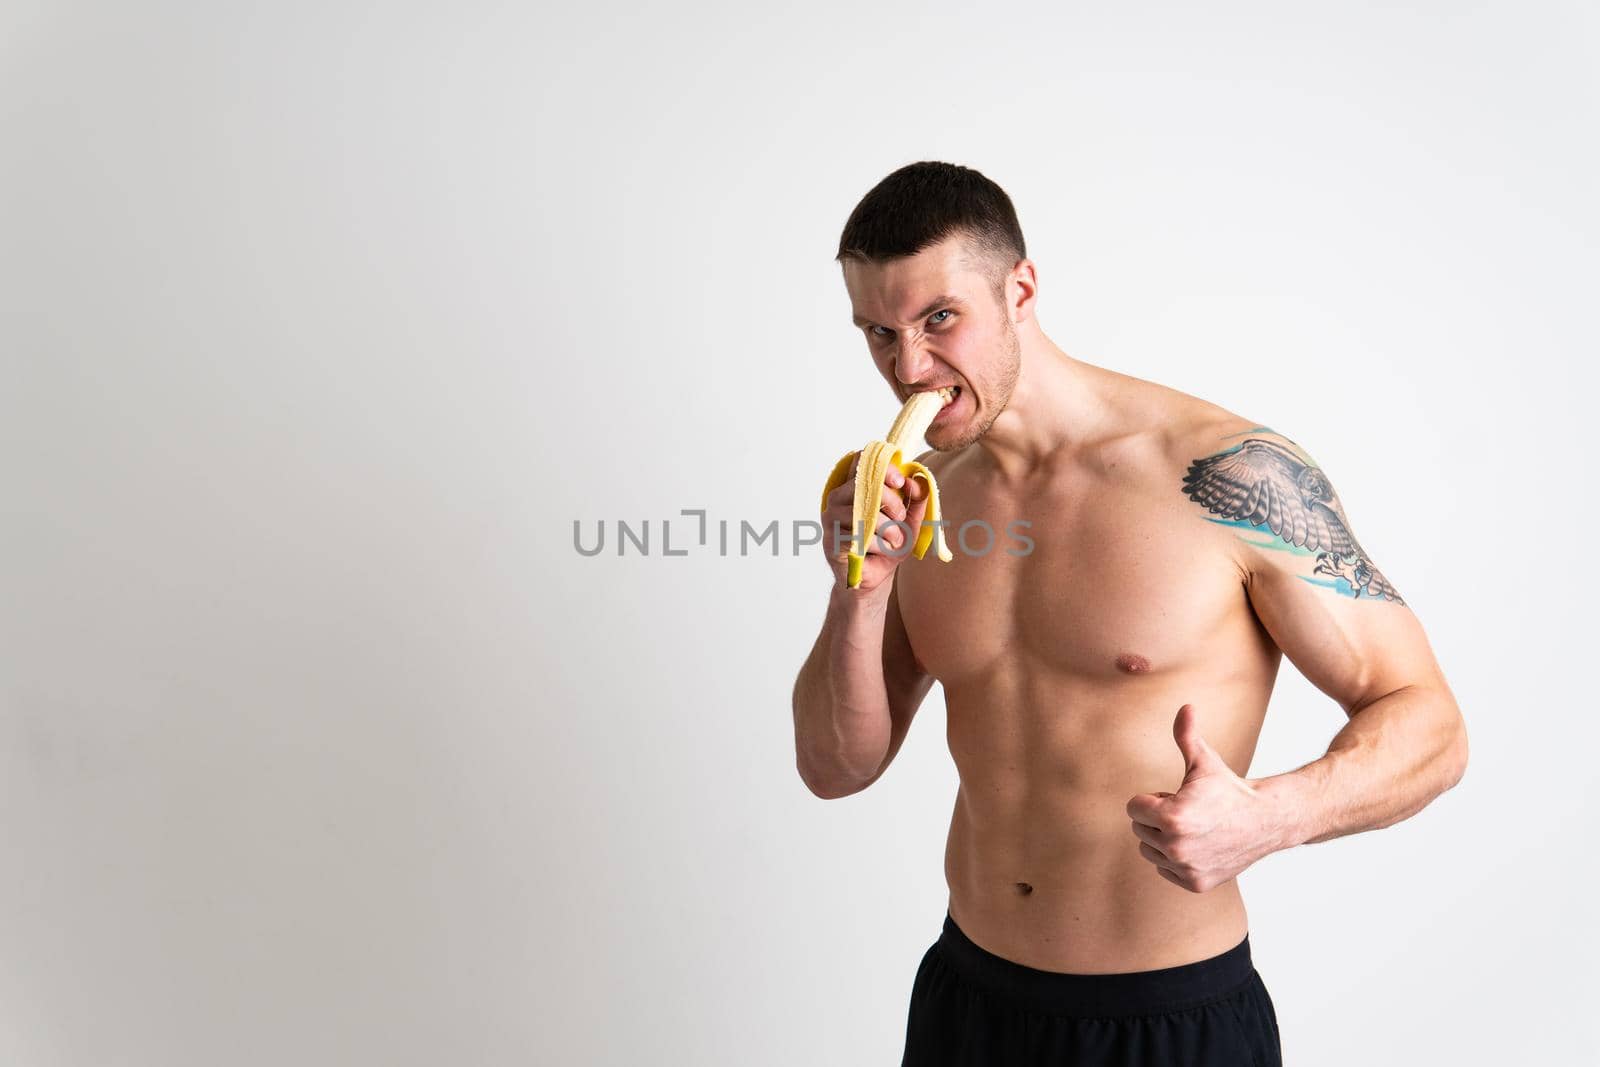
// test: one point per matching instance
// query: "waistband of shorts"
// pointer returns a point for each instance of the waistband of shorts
(1188, 985)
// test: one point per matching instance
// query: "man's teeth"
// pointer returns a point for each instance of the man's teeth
(947, 394)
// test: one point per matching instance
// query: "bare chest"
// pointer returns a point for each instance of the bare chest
(1094, 580)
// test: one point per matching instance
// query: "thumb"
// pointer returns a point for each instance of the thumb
(1199, 757)
(916, 491)
(916, 497)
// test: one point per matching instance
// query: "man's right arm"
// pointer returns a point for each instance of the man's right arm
(857, 693)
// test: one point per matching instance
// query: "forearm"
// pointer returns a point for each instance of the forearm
(841, 704)
(1387, 763)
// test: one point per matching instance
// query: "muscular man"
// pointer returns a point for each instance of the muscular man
(1106, 684)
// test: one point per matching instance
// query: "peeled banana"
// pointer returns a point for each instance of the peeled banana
(908, 428)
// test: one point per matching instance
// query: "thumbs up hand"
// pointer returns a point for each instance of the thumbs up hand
(1213, 827)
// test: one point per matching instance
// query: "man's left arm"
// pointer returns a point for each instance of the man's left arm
(1347, 629)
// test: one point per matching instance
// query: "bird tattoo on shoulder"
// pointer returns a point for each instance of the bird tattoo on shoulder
(1262, 483)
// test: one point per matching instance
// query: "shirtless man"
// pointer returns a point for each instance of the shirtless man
(1105, 690)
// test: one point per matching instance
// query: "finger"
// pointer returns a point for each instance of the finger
(1199, 758)
(1155, 856)
(841, 509)
(1150, 809)
(1151, 835)
(893, 503)
(916, 510)
(844, 494)
(892, 534)
(845, 533)
(1174, 879)
(894, 487)
(837, 521)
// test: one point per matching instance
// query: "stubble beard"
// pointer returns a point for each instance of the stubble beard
(999, 395)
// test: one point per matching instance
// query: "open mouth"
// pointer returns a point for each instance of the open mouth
(952, 395)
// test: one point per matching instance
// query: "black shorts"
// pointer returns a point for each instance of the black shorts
(969, 1006)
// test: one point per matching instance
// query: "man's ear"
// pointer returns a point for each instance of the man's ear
(1022, 286)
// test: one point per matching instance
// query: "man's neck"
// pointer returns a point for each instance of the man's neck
(1058, 404)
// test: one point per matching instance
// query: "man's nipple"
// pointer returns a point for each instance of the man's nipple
(1132, 663)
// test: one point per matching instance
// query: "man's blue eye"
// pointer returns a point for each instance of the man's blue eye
(934, 318)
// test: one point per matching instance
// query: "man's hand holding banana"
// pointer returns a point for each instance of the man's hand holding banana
(877, 488)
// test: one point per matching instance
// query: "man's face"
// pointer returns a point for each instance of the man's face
(932, 320)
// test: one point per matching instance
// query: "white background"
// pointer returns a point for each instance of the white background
(322, 323)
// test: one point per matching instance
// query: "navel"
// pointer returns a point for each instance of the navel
(1024, 888)
(1132, 663)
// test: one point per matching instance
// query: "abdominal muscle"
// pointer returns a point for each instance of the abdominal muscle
(1041, 860)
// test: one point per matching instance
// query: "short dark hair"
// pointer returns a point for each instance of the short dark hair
(924, 203)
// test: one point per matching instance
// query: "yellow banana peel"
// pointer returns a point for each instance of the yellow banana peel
(876, 458)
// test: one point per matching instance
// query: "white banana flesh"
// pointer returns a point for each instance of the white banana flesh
(876, 458)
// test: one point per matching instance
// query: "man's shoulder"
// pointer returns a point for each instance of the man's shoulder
(1180, 436)
(1222, 432)
(1164, 428)
(1179, 428)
